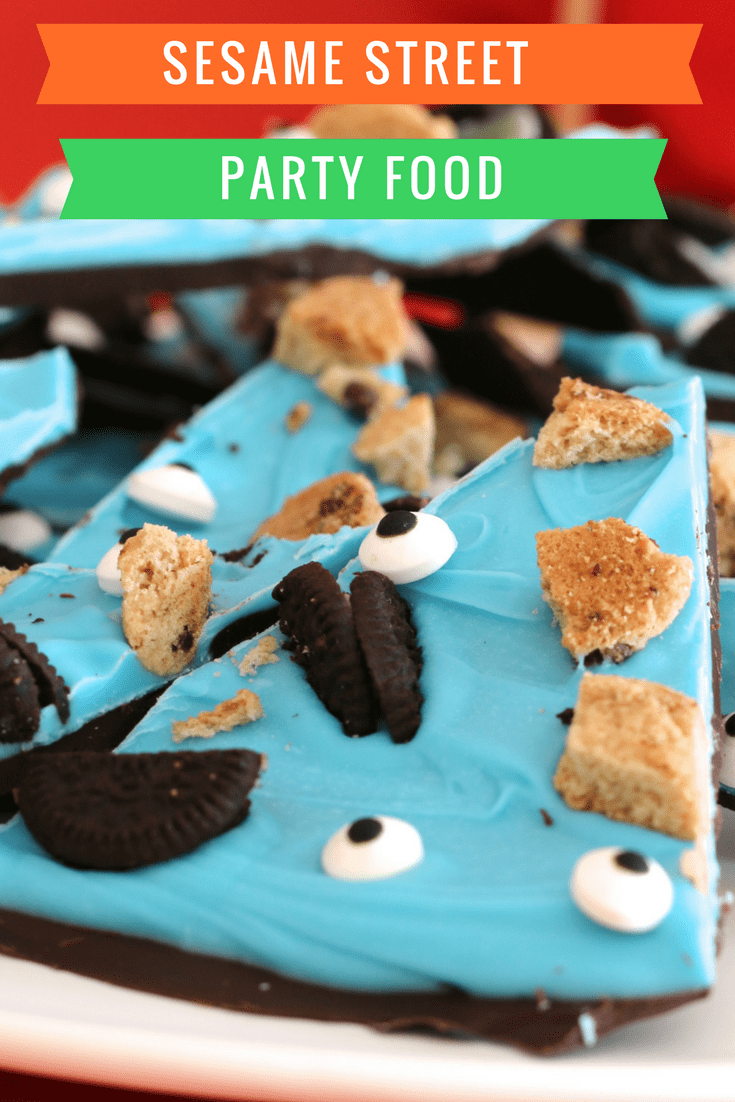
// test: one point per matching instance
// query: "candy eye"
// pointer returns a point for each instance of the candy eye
(407, 546)
(108, 572)
(372, 849)
(622, 889)
(174, 489)
(23, 530)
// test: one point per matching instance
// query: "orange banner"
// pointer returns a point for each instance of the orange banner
(214, 63)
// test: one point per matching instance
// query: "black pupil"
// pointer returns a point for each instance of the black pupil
(730, 724)
(364, 830)
(632, 861)
(128, 534)
(396, 523)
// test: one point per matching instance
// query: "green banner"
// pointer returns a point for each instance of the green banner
(358, 178)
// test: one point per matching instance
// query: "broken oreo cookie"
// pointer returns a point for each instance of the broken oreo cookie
(125, 811)
(354, 651)
(21, 712)
(388, 640)
(317, 618)
(52, 689)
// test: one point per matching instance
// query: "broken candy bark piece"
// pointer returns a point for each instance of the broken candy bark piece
(400, 444)
(593, 425)
(636, 751)
(610, 586)
(324, 507)
(650, 247)
(167, 584)
(352, 320)
(714, 347)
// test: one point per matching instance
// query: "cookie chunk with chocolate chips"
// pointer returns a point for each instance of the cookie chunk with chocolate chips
(593, 425)
(347, 498)
(611, 587)
(167, 584)
(637, 752)
(353, 320)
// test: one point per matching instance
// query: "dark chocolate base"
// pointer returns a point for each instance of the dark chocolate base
(543, 281)
(75, 287)
(542, 1026)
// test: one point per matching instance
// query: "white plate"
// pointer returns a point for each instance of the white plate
(54, 1023)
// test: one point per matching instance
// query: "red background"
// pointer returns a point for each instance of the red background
(699, 160)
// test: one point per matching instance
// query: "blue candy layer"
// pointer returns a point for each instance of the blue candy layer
(241, 447)
(489, 908)
(38, 404)
(622, 360)
(69, 481)
(106, 243)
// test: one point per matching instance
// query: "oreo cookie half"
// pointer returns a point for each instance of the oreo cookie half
(52, 689)
(125, 811)
(316, 616)
(388, 640)
(20, 711)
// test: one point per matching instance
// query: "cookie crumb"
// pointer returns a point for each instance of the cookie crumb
(243, 707)
(297, 416)
(260, 655)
